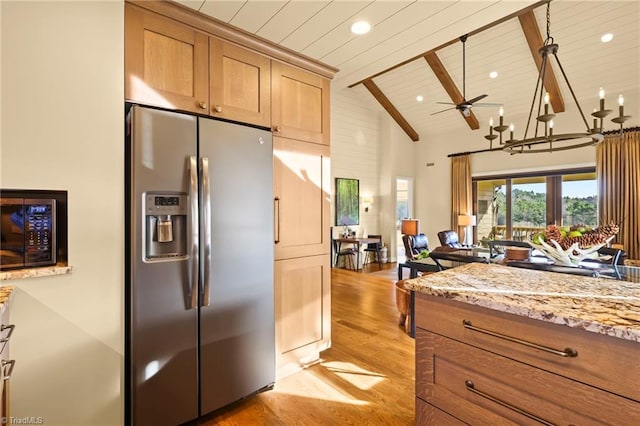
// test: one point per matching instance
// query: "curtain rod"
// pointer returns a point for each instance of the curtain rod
(625, 129)
(608, 132)
(458, 154)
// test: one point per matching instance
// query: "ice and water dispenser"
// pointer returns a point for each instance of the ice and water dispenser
(165, 226)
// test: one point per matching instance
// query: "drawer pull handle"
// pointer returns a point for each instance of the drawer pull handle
(567, 352)
(9, 327)
(6, 375)
(471, 387)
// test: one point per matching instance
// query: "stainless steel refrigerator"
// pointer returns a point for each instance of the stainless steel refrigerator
(199, 293)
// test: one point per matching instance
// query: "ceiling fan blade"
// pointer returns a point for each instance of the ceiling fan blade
(487, 104)
(445, 103)
(448, 109)
(476, 99)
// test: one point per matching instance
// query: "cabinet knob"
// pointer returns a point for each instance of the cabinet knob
(217, 108)
(202, 105)
(276, 128)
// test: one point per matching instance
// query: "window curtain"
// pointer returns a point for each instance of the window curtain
(461, 190)
(618, 176)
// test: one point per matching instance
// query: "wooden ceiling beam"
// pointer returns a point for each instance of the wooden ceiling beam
(447, 83)
(534, 40)
(455, 40)
(393, 112)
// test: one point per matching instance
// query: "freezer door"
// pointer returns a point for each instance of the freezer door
(237, 319)
(162, 329)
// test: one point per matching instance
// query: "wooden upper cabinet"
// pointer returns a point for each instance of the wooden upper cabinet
(166, 62)
(301, 189)
(240, 83)
(300, 104)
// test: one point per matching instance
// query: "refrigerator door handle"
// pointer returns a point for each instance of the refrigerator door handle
(206, 212)
(195, 248)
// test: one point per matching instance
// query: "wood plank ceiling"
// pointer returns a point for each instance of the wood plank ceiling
(414, 49)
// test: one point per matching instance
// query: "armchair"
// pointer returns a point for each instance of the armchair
(450, 239)
(413, 245)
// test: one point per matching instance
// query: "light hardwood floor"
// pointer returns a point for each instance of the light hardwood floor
(366, 378)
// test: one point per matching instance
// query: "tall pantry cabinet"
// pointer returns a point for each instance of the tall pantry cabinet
(300, 115)
(181, 60)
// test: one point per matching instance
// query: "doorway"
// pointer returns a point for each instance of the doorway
(404, 209)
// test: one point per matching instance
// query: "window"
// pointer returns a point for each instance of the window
(528, 206)
(515, 207)
(491, 210)
(580, 200)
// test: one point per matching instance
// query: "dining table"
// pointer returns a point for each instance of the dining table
(357, 242)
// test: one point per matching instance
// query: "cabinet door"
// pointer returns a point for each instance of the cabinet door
(300, 106)
(301, 176)
(240, 83)
(166, 63)
(302, 310)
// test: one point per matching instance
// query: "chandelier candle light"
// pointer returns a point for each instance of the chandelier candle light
(550, 142)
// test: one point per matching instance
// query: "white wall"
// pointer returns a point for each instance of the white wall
(354, 154)
(366, 144)
(62, 116)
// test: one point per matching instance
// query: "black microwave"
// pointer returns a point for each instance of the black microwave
(28, 232)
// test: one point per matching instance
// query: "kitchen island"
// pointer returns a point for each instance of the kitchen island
(501, 345)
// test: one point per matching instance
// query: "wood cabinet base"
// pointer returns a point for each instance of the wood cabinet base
(485, 379)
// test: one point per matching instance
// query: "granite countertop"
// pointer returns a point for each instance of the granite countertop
(44, 271)
(5, 293)
(599, 305)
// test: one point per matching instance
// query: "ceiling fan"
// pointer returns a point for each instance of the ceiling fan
(465, 106)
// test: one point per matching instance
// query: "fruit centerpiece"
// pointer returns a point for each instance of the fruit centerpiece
(570, 245)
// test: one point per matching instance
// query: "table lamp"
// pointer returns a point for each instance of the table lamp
(466, 220)
(410, 226)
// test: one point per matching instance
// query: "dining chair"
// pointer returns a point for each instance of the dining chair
(347, 253)
(373, 249)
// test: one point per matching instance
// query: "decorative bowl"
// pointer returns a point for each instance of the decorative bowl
(572, 256)
(517, 253)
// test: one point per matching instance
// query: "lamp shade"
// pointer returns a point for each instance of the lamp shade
(466, 220)
(410, 226)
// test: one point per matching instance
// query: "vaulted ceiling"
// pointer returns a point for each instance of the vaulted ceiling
(414, 49)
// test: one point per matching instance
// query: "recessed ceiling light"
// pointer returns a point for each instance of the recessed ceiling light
(360, 27)
(493, 74)
(606, 38)
(419, 98)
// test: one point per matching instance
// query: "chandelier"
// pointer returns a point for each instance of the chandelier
(543, 138)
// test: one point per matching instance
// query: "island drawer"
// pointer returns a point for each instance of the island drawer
(427, 414)
(602, 361)
(483, 388)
